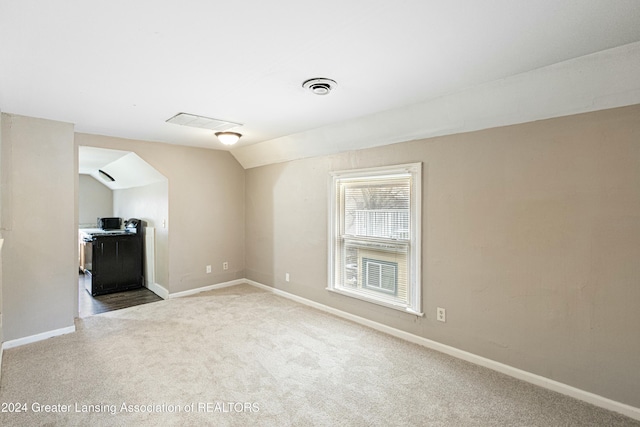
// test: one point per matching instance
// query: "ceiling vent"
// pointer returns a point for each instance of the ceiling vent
(202, 122)
(319, 86)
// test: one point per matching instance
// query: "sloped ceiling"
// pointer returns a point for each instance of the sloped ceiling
(126, 168)
(593, 82)
(122, 68)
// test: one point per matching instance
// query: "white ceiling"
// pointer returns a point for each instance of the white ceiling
(121, 68)
(126, 168)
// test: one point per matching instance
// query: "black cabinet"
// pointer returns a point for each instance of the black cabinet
(117, 264)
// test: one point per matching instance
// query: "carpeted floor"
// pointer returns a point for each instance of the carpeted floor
(240, 356)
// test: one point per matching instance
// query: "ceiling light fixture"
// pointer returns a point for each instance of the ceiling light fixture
(319, 85)
(228, 138)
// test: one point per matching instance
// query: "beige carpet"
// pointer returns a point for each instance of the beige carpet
(242, 357)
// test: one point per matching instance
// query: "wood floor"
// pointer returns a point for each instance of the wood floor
(88, 305)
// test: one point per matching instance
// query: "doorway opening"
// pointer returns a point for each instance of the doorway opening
(120, 184)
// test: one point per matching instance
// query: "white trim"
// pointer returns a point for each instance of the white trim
(207, 288)
(159, 290)
(384, 303)
(379, 172)
(38, 337)
(594, 399)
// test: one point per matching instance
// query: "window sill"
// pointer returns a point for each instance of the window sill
(356, 295)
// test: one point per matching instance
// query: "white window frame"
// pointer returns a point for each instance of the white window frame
(414, 274)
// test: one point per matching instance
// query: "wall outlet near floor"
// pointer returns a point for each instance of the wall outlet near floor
(441, 314)
(286, 277)
(208, 269)
(225, 265)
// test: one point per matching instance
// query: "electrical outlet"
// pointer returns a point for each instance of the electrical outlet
(208, 269)
(441, 314)
(225, 265)
(286, 277)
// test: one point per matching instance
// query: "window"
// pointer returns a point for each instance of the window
(375, 240)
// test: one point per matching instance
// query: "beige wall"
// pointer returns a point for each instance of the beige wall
(2, 168)
(40, 189)
(39, 257)
(95, 200)
(531, 236)
(205, 222)
(149, 203)
(531, 241)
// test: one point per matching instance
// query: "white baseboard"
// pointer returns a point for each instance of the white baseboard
(159, 290)
(38, 337)
(207, 288)
(594, 399)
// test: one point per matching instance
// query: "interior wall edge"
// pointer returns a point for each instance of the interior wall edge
(159, 290)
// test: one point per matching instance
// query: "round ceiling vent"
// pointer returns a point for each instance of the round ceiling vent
(319, 86)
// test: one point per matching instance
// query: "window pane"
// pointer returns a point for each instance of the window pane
(377, 209)
(375, 268)
(373, 275)
(388, 277)
(380, 275)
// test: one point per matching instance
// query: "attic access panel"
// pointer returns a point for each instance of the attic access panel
(202, 122)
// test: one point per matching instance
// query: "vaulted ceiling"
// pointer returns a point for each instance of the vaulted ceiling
(121, 68)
